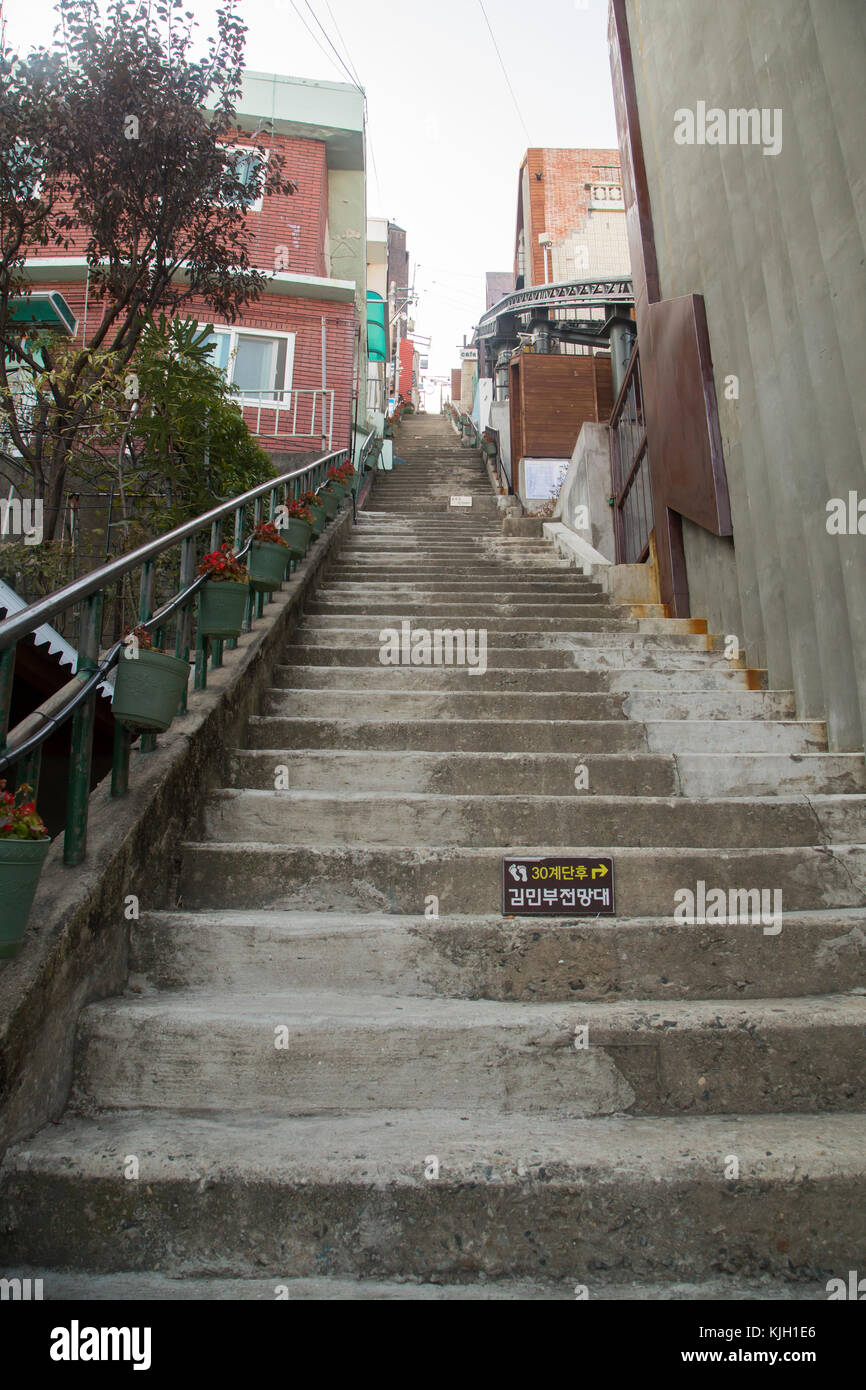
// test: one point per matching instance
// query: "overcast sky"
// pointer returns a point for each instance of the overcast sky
(445, 140)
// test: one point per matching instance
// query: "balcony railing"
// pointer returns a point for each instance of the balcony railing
(297, 414)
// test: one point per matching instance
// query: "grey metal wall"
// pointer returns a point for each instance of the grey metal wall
(777, 245)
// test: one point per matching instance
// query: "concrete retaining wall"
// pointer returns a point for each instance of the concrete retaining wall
(776, 243)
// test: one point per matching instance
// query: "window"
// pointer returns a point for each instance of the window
(247, 166)
(257, 364)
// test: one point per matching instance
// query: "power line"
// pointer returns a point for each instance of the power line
(312, 34)
(343, 42)
(353, 80)
(505, 74)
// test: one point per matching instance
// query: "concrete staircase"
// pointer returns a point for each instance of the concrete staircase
(327, 1087)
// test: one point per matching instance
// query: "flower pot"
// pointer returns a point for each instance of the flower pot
(20, 866)
(298, 535)
(331, 502)
(148, 689)
(340, 489)
(221, 607)
(320, 519)
(267, 565)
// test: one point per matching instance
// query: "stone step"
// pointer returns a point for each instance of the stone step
(489, 957)
(642, 706)
(362, 729)
(505, 679)
(358, 581)
(344, 1053)
(472, 609)
(348, 1196)
(553, 774)
(519, 590)
(320, 648)
(575, 629)
(458, 617)
(75, 1286)
(368, 878)
(293, 817)
(450, 704)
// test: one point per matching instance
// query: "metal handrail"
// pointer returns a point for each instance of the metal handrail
(89, 591)
(35, 614)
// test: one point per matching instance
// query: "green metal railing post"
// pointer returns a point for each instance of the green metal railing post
(28, 770)
(240, 514)
(7, 672)
(147, 742)
(216, 646)
(184, 620)
(81, 750)
(258, 599)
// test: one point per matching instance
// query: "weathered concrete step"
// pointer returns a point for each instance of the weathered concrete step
(66, 1286)
(244, 815)
(459, 617)
(570, 634)
(449, 735)
(320, 648)
(415, 506)
(514, 589)
(713, 774)
(451, 704)
(766, 706)
(364, 730)
(554, 774)
(203, 1050)
(461, 774)
(348, 1196)
(649, 882)
(503, 678)
(470, 609)
(487, 957)
(342, 579)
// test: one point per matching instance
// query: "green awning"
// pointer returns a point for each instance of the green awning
(376, 342)
(46, 308)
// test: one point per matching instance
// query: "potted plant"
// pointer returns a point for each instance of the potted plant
(299, 528)
(329, 500)
(269, 557)
(317, 511)
(223, 598)
(24, 843)
(337, 482)
(149, 684)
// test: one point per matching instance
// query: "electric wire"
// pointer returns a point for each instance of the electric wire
(505, 74)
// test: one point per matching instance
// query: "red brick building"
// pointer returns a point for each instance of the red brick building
(572, 200)
(295, 355)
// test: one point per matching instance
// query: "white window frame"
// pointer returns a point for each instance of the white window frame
(250, 149)
(274, 394)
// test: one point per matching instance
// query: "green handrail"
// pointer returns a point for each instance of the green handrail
(89, 591)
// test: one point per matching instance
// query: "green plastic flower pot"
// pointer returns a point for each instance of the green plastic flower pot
(298, 535)
(20, 866)
(340, 489)
(148, 689)
(268, 563)
(221, 607)
(320, 519)
(331, 502)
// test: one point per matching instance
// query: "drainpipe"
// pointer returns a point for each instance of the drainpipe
(324, 380)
